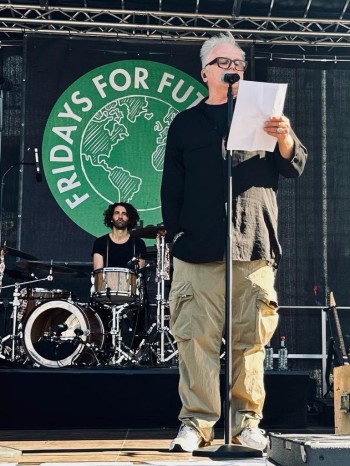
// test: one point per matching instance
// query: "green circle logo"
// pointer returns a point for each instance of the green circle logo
(105, 139)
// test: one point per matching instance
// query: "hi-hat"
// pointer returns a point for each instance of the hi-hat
(49, 268)
(17, 253)
(149, 231)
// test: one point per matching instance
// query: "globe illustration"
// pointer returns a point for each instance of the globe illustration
(122, 151)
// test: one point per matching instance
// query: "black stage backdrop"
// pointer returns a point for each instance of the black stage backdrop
(314, 210)
(51, 66)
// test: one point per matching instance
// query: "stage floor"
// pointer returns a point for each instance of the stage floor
(109, 446)
(105, 416)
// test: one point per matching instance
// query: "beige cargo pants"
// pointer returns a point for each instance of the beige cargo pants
(197, 309)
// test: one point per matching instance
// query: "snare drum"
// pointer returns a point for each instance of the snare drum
(114, 285)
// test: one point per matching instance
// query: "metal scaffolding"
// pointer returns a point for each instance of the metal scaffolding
(268, 33)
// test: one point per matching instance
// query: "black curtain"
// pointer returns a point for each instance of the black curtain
(313, 210)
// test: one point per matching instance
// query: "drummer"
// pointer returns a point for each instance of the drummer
(118, 248)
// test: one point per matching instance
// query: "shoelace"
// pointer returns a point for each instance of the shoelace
(252, 430)
(184, 428)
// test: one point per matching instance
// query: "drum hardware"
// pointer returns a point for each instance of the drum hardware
(120, 351)
(163, 273)
(5, 351)
(94, 349)
(159, 340)
(2, 264)
(133, 265)
(57, 339)
(158, 346)
(16, 304)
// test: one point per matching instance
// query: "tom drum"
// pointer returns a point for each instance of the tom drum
(32, 297)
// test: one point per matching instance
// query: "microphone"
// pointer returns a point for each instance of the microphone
(133, 264)
(230, 78)
(37, 166)
(60, 328)
(77, 339)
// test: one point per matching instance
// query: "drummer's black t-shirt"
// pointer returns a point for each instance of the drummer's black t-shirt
(118, 255)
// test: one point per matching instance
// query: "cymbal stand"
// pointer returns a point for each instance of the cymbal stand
(163, 274)
(158, 341)
(2, 265)
(16, 304)
(117, 342)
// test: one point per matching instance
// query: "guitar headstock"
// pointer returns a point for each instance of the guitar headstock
(330, 299)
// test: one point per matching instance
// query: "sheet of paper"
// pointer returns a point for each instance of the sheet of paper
(256, 102)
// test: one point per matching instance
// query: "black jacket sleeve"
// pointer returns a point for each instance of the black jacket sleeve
(172, 192)
(294, 167)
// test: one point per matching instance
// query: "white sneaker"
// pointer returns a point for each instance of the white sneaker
(252, 437)
(188, 439)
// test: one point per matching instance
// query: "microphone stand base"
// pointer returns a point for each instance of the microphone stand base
(228, 451)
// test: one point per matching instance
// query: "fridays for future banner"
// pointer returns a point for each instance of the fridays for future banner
(98, 110)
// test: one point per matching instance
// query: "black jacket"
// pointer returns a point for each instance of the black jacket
(193, 192)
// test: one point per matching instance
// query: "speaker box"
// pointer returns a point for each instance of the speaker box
(286, 399)
(313, 450)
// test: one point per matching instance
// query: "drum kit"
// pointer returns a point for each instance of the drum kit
(119, 326)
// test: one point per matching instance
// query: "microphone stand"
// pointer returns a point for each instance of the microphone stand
(228, 450)
(228, 280)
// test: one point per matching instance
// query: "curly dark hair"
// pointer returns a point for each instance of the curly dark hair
(130, 210)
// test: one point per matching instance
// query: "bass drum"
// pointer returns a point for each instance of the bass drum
(60, 333)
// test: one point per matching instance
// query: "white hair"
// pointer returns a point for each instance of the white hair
(209, 44)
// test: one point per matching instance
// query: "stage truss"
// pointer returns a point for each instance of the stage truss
(301, 36)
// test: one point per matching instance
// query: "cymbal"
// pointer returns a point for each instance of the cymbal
(48, 267)
(149, 231)
(17, 253)
(13, 273)
(76, 265)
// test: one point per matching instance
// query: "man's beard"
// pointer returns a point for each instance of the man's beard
(121, 224)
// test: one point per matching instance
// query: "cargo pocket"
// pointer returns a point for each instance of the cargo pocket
(180, 302)
(268, 318)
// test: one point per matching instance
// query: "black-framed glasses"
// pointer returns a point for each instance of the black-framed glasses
(225, 63)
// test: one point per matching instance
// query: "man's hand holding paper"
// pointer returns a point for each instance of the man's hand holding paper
(257, 120)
